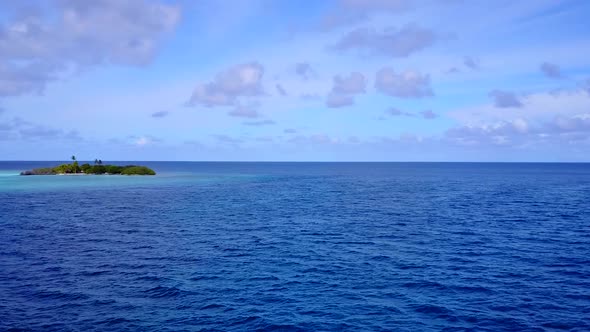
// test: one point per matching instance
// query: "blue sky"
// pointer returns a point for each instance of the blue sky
(278, 80)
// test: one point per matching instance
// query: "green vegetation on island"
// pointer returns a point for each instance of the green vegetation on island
(98, 168)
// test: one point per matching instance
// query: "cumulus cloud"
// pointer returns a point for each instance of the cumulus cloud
(242, 80)
(550, 70)
(347, 12)
(576, 123)
(409, 84)
(428, 114)
(39, 46)
(144, 140)
(539, 107)
(558, 118)
(227, 139)
(397, 43)
(393, 6)
(305, 71)
(265, 139)
(355, 83)
(560, 130)
(281, 90)
(244, 112)
(344, 88)
(259, 123)
(160, 114)
(17, 128)
(21, 79)
(471, 62)
(40, 132)
(453, 70)
(397, 112)
(315, 139)
(310, 96)
(499, 133)
(505, 99)
(336, 100)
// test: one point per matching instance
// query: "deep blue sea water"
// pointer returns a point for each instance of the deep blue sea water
(298, 247)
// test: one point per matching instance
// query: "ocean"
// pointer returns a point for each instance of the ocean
(214, 246)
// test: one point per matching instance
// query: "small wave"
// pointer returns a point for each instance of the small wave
(197, 278)
(472, 289)
(503, 308)
(432, 309)
(93, 273)
(291, 283)
(151, 278)
(562, 325)
(57, 295)
(163, 292)
(578, 296)
(114, 321)
(316, 270)
(246, 320)
(142, 247)
(212, 306)
(237, 255)
(380, 258)
(425, 284)
(52, 269)
(103, 302)
(273, 278)
(285, 328)
(410, 266)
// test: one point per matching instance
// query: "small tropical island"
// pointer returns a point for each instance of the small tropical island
(97, 169)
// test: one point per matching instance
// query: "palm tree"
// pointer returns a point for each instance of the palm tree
(74, 165)
(95, 161)
(99, 162)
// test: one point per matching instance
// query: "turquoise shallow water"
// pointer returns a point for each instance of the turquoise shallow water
(298, 247)
(11, 181)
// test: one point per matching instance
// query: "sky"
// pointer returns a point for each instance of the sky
(287, 80)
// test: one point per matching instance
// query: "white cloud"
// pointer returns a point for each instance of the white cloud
(471, 62)
(305, 71)
(355, 83)
(144, 140)
(397, 112)
(348, 12)
(281, 90)
(390, 42)
(544, 119)
(550, 70)
(243, 80)
(338, 100)
(160, 114)
(259, 123)
(345, 88)
(537, 107)
(244, 112)
(409, 84)
(40, 45)
(505, 99)
(429, 115)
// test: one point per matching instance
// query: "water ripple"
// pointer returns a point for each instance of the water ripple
(302, 247)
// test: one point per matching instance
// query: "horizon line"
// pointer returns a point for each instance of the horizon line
(320, 161)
